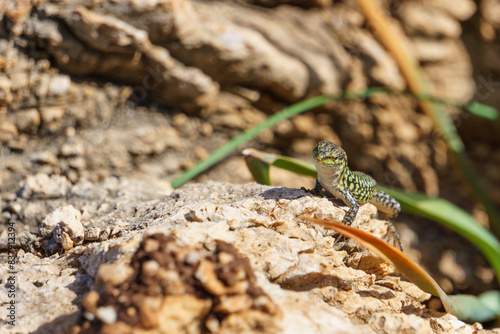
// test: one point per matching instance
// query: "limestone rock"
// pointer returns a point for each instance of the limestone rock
(64, 225)
(230, 258)
(43, 186)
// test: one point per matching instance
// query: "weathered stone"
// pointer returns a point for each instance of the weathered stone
(114, 273)
(181, 312)
(52, 117)
(107, 314)
(59, 85)
(429, 21)
(27, 120)
(65, 241)
(8, 130)
(72, 148)
(45, 157)
(43, 186)
(5, 90)
(92, 234)
(251, 258)
(63, 223)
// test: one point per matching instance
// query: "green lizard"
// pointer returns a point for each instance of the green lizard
(350, 186)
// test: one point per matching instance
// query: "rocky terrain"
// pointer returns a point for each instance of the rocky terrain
(103, 103)
(210, 257)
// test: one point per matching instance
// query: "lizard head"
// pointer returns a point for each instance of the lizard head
(328, 155)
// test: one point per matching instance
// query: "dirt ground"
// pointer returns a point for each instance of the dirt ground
(143, 91)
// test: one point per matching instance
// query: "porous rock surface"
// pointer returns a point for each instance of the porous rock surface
(211, 258)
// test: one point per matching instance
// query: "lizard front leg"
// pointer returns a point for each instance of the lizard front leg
(351, 202)
(316, 190)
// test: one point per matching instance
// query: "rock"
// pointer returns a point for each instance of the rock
(8, 130)
(92, 234)
(64, 225)
(107, 314)
(245, 262)
(400, 324)
(27, 120)
(52, 117)
(5, 91)
(59, 85)
(65, 241)
(89, 301)
(72, 148)
(182, 312)
(429, 21)
(45, 157)
(46, 286)
(459, 9)
(43, 186)
(114, 273)
(23, 240)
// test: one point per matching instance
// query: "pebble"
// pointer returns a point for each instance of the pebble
(59, 85)
(5, 90)
(428, 21)
(45, 157)
(90, 300)
(51, 114)
(8, 130)
(107, 314)
(92, 234)
(42, 85)
(150, 267)
(65, 219)
(66, 241)
(74, 148)
(78, 163)
(52, 117)
(27, 120)
(114, 273)
(105, 234)
(233, 304)
(18, 144)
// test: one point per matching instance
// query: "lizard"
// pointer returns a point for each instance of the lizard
(352, 187)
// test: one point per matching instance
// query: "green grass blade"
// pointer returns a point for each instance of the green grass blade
(297, 166)
(492, 299)
(233, 144)
(259, 170)
(482, 110)
(474, 108)
(475, 309)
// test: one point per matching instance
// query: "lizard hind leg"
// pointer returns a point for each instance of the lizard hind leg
(390, 209)
(394, 235)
